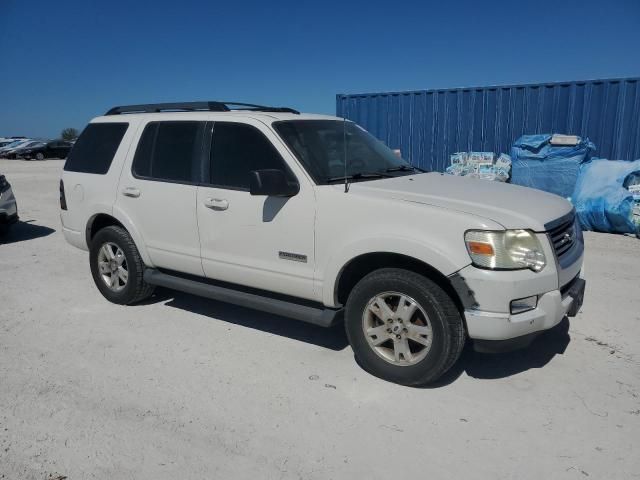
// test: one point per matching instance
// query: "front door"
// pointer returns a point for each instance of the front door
(257, 241)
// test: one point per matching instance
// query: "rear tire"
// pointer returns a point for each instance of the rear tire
(411, 339)
(117, 268)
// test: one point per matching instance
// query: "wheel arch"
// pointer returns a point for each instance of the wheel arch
(101, 220)
(360, 266)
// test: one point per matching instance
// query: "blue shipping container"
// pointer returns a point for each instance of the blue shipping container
(429, 125)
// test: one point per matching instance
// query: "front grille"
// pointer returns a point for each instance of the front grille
(563, 237)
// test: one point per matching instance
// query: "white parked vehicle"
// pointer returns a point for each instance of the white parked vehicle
(257, 206)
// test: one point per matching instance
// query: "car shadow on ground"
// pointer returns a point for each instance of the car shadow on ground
(332, 338)
(21, 231)
(477, 365)
(487, 366)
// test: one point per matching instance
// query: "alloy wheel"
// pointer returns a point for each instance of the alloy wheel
(397, 328)
(112, 265)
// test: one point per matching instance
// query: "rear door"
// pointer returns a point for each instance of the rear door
(159, 192)
(56, 150)
(256, 241)
(52, 149)
(65, 148)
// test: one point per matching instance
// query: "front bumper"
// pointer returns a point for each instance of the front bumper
(487, 315)
(552, 308)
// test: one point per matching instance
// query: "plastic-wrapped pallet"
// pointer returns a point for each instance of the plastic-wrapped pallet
(604, 197)
(480, 165)
(503, 167)
(549, 162)
(632, 183)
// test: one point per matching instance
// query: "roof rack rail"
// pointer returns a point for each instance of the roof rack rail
(213, 106)
(260, 108)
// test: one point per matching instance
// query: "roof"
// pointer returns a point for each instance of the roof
(266, 117)
(204, 110)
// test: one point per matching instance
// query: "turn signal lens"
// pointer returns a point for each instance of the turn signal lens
(479, 248)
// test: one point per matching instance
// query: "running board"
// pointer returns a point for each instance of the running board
(324, 317)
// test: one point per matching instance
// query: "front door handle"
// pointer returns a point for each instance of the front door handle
(132, 192)
(216, 203)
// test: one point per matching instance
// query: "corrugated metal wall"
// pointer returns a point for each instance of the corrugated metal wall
(429, 125)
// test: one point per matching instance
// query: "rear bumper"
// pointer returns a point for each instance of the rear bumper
(8, 208)
(75, 238)
(6, 219)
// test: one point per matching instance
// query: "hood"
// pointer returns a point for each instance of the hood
(509, 205)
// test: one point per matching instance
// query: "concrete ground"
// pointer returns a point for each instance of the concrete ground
(182, 387)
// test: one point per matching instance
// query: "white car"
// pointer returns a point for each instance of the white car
(8, 205)
(257, 206)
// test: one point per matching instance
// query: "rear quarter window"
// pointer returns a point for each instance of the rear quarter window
(94, 150)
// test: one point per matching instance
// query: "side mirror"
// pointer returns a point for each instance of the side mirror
(272, 182)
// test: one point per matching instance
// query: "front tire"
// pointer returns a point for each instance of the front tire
(403, 327)
(117, 268)
(39, 156)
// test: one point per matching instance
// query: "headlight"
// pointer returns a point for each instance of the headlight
(507, 250)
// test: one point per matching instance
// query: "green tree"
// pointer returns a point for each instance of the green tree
(69, 134)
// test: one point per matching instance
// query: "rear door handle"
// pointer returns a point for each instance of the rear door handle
(216, 203)
(131, 192)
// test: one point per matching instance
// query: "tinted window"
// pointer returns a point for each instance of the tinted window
(236, 150)
(169, 151)
(95, 148)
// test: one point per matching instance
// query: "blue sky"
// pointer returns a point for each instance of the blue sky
(64, 62)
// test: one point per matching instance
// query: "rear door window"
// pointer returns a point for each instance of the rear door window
(170, 151)
(95, 148)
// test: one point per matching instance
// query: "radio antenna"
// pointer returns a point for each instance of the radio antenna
(344, 145)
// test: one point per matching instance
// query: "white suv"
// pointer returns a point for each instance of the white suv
(310, 217)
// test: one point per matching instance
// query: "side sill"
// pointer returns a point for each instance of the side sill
(321, 316)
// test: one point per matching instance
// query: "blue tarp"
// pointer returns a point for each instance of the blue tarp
(601, 201)
(552, 168)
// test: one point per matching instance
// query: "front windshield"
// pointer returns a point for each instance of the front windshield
(320, 147)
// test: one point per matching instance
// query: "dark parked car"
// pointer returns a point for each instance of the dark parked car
(13, 152)
(52, 149)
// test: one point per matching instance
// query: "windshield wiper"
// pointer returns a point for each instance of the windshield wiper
(405, 168)
(357, 176)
